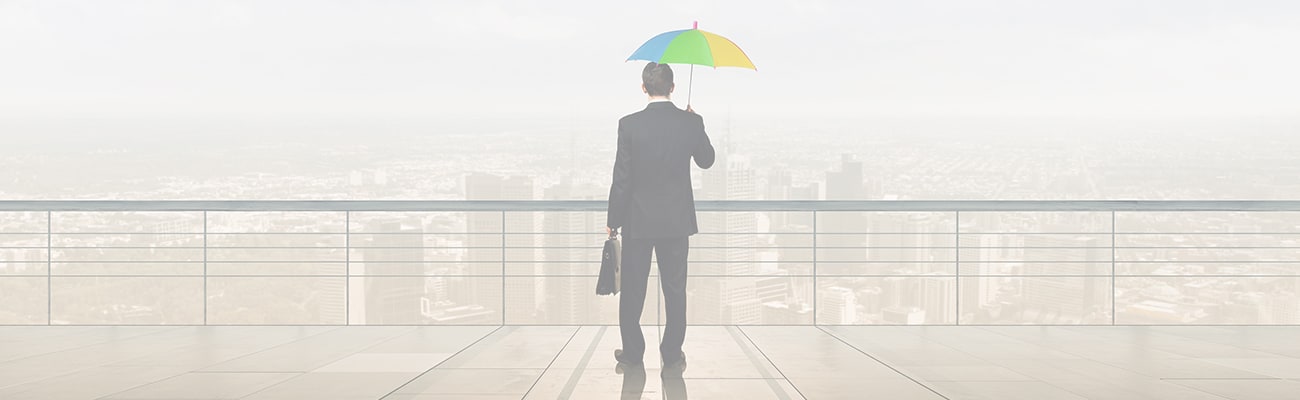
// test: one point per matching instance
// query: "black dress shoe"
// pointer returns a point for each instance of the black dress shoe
(675, 368)
(622, 359)
(632, 369)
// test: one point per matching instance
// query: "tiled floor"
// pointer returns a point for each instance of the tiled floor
(563, 362)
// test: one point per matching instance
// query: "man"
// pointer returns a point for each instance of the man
(651, 201)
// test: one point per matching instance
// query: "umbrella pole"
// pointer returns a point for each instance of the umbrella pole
(690, 83)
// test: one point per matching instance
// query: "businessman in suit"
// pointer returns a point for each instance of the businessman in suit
(651, 202)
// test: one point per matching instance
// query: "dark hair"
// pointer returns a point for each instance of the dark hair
(657, 78)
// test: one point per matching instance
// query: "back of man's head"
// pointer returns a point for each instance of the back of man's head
(657, 79)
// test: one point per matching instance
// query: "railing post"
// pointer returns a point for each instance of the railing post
(205, 267)
(957, 268)
(815, 281)
(347, 268)
(503, 267)
(1112, 267)
(49, 268)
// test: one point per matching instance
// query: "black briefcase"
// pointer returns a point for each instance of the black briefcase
(610, 257)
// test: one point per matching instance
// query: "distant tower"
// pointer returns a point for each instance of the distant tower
(571, 300)
(845, 184)
(390, 300)
(1283, 307)
(485, 239)
(726, 246)
(1065, 299)
(839, 305)
(980, 291)
(938, 297)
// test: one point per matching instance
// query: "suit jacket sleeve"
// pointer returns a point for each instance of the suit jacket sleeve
(704, 155)
(619, 195)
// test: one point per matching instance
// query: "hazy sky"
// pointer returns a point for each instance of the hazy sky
(484, 57)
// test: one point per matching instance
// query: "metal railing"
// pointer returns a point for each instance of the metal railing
(754, 262)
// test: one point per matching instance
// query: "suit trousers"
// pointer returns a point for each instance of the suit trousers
(635, 267)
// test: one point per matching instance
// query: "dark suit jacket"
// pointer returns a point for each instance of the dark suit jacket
(651, 195)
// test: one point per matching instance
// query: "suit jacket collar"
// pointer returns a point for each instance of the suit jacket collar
(660, 104)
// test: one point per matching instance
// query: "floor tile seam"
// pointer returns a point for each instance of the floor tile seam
(462, 350)
(914, 380)
(578, 370)
(741, 340)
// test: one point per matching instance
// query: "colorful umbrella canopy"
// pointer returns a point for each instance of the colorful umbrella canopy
(695, 47)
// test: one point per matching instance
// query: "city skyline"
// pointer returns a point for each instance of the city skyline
(750, 267)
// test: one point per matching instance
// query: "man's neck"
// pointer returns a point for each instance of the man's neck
(654, 99)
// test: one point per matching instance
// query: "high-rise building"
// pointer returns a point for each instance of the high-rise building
(844, 184)
(839, 305)
(847, 183)
(869, 299)
(778, 187)
(566, 299)
(725, 248)
(1069, 298)
(807, 191)
(389, 300)
(901, 291)
(979, 288)
(938, 299)
(508, 239)
(773, 287)
(779, 184)
(1282, 308)
(902, 316)
(782, 313)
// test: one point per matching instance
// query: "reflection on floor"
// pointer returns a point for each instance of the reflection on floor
(725, 362)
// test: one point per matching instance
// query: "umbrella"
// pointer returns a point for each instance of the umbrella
(695, 47)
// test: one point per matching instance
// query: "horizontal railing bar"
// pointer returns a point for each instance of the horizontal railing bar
(328, 233)
(61, 262)
(692, 247)
(410, 276)
(1121, 262)
(697, 234)
(744, 262)
(1210, 233)
(1127, 233)
(466, 247)
(855, 247)
(196, 247)
(567, 324)
(1123, 275)
(598, 205)
(417, 275)
(946, 275)
(470, 233)
(352, 247)
(200, 262)
(1207, 247)
(223, 233)
(835, 234)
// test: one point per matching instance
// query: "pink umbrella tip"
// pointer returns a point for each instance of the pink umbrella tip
(695, 25)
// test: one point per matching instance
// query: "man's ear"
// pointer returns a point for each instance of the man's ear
(671, 87)
(643, 89)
